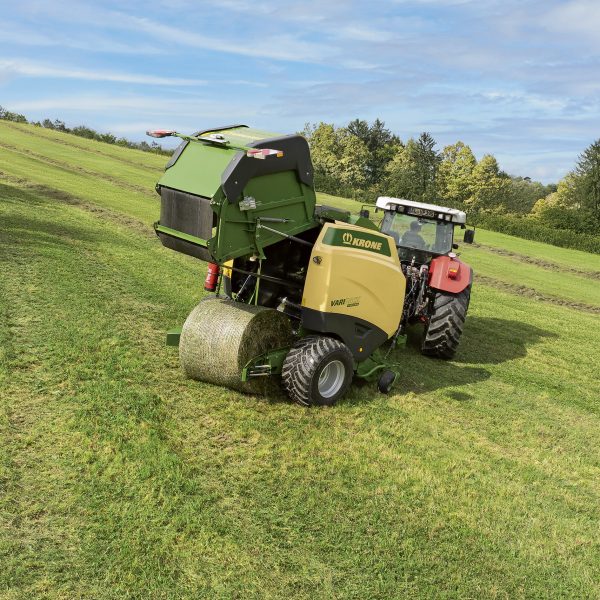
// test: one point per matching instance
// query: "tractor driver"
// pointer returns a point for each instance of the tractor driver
(412, 238)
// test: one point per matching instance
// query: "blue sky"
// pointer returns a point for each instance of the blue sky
(520, 80)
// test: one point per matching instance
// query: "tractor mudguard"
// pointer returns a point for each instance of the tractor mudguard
(448, 274)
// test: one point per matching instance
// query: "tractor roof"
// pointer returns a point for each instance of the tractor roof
(422, 209)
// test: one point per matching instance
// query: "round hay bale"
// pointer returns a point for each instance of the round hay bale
(220, 336)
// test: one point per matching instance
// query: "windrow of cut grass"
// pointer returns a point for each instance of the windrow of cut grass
(96, 189)
(565, 257)
(478, 477)
(511, 270)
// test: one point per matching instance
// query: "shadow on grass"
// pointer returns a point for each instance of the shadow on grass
(41, 226)
(20, 231)
(485, 341)
(420, 375)
(490, 340)
(32, 194)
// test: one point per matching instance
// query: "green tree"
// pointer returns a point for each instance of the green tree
(353, 161)
(587, 172)
(523, 194)
(412, 171)
(401, 173)
(427, 161)
(563, 209)
(576, 203)
(381, 144)
(489, 187)
(454, 174)
(7, 115)
(323, 141)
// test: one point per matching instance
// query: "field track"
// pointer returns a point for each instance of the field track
(476, 478)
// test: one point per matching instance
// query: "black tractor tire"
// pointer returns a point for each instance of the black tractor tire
(317, 371)
(446, 321)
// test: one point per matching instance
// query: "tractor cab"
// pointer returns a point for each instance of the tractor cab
(421, 231)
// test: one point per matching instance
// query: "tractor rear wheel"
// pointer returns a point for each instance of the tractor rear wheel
(317, 371)
(442, 334)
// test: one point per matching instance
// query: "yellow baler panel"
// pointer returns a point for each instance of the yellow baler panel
(355, 271)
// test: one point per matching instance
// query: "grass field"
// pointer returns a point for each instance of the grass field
(476, 478)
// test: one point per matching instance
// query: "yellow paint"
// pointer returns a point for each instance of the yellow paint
(350, 272)
(227, 268)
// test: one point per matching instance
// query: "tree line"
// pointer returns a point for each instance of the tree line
(85, 132)
(364, 160)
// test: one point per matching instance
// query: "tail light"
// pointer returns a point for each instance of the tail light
(453, 269)
(263, 153)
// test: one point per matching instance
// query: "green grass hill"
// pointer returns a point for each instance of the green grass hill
(475, 478)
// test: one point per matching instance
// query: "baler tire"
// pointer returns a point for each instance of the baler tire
(305, 363)
(386, 381)
(442, 333)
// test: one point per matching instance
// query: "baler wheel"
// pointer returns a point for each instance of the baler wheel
(386, 381)
(220, 336)
(317, 371)
(442, 333)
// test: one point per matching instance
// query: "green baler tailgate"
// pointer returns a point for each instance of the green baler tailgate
(198, 170)
(199, 167)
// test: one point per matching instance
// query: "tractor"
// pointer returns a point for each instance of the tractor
(438, 285)
(301, 294)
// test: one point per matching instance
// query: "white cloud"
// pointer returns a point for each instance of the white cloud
(31, 69)
(164, 108)
(12, 34)
(272, 46)
(275, 47)
(534, 101)
(580, 17)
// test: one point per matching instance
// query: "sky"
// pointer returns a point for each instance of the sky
(517, 79)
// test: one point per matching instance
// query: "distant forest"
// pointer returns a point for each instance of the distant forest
(364, 160)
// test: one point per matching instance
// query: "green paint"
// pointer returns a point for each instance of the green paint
(199, 171)
(173, 337)
(180, 235)
(361, 240)
(266, 364)
(362, 222)
(370, 368)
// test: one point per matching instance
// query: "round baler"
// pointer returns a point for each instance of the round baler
(304, 293)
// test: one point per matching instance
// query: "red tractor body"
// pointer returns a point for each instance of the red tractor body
(438, 284)
(448, 274)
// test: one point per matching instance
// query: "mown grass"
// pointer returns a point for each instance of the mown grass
(561, 256)
(561, 284)
(120, 479)
(144, 160)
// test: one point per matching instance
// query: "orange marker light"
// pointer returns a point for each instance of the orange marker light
(453, 271)
(263, 153)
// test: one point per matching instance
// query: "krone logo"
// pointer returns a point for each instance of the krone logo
(349, 240)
